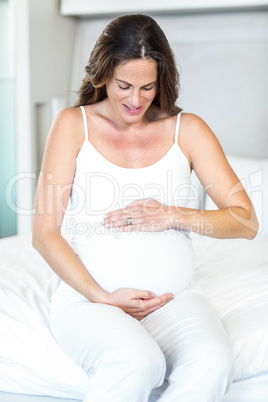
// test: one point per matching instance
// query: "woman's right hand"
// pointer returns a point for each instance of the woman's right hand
(137, 303)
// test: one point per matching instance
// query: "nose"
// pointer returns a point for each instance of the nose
(135, 98)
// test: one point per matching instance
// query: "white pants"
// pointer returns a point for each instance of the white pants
(125, 358)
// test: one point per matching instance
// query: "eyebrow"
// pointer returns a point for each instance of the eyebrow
(127, 83)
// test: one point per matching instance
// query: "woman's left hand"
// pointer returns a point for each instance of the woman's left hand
(145, 215)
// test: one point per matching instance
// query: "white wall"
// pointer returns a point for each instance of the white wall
(224, 63)
(44, 50)
(51, 59)
(7, 121)
(223, 60)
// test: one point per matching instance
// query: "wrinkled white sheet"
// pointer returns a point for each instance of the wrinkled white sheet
(234, 274)
(26, 285)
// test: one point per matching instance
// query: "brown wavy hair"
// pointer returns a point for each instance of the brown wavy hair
(126, 38)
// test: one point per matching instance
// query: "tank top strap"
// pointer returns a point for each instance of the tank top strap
(85, 122)
(177, 129)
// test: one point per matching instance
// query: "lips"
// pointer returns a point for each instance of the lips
(132, 110)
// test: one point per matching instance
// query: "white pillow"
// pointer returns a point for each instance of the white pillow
(253, 173)
(234, 274)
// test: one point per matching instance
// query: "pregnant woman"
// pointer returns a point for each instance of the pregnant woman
(127, 310)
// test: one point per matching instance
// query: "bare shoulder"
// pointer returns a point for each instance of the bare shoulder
(193, 127)
(68, 127)
(196, 137)
(70, 118)
(63, 145)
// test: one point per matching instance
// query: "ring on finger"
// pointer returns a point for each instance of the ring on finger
(128, 221)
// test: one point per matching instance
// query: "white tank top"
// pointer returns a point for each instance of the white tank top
(158, 261)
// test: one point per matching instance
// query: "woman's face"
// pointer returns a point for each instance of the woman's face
(132, 89)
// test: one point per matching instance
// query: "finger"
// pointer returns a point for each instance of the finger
(123, 225)
(157, 302)
(137, 215)
(144, 305)
(136, 218)
(140, 315)
(140, 305)
(144, 294)
(165, 297)
(135, 208)
(119, 219)
(115, 213)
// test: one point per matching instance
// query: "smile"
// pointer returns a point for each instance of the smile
(132, 110)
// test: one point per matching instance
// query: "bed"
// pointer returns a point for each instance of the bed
(234, 274)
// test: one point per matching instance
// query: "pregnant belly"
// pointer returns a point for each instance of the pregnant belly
(161, 262)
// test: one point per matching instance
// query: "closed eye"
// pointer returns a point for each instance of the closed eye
(124, 87)
(145, 88)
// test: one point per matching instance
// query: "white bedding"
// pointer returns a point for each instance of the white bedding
(251, 390)
(234, 273)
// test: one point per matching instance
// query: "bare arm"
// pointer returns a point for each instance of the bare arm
(54, 186)
(236, 216)
(53, 191)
